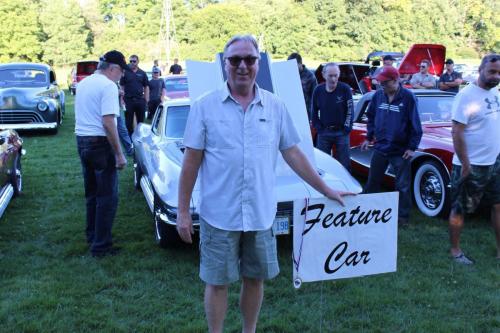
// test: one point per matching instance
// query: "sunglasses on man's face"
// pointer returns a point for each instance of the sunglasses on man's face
(133, 61)
(423, 66)
(236, 61)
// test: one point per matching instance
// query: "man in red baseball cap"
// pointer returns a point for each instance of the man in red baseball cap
(394, 129)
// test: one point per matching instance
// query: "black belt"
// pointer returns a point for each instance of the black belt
(92, 139)
(334, 127)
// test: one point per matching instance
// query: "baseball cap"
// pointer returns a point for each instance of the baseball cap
(115, 57)
(387, 73)
(156, 70)
(449, 61)
(388, 57)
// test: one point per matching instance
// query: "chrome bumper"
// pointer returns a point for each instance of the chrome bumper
(147, 189)
(29, 126)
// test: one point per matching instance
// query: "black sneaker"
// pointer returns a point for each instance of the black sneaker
(112, 251)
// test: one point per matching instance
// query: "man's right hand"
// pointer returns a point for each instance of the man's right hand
(465, 170)
(365, 144)
(121, 161)
(185, 227)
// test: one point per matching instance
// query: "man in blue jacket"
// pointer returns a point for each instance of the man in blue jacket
(394, 128)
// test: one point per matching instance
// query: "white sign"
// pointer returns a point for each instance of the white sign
(335, 242)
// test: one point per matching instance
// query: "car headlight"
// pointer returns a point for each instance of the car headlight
(42, 106)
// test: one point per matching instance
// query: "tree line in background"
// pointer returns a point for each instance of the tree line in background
(61, 32)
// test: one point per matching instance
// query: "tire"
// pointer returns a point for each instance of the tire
(54, 131)
(17, 175)
(430, 189)
(137, 175)
(166, 236)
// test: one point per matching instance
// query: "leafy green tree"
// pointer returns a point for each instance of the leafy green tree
(69, 39)
(131, 27)
(62, 31)
(211, 27)
(21, 37)
(287, 27)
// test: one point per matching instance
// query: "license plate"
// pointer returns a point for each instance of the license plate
(281, 225)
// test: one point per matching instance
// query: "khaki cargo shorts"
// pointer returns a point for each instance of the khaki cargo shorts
(225, 255)
(482, 185)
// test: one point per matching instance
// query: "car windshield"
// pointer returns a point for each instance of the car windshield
(435, 109)
(176, 84)
(176, 121)
(22, 77)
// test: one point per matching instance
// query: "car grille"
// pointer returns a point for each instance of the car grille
(286, 209)
(20, 117)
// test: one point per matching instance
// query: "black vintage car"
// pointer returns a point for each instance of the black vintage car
(30, 97)
(11, 182)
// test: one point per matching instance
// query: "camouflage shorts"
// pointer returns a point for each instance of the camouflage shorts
(482, 185)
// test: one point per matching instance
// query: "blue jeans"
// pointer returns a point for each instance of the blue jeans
(100, 180)
(338, 138)
(402, 172)
(124, 136)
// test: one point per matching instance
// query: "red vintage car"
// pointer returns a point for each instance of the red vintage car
(81, 70)
(176, 86)
(11, 181)
(431, 165)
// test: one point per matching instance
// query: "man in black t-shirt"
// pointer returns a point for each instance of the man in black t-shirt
(175, 68)
(332, 112)
(450, 80)
(136, 93)
(157, 92)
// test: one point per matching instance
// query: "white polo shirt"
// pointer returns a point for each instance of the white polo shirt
(479, 110)
(237, 176)
(96, 96)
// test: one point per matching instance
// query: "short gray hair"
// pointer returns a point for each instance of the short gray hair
(242, 38)
(329, 64)
(103, 65)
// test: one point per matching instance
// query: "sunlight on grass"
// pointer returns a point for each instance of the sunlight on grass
(49, 282)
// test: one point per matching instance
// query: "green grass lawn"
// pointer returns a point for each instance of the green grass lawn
(50, 283)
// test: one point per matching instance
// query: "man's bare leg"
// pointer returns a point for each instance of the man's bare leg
(456, 224)
(215, 307)
(252, 292)
(495, 221)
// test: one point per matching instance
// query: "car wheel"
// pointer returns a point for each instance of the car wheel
(430, 189)
(17, 175)
(166, 236)
(58, 123)
(137, 175)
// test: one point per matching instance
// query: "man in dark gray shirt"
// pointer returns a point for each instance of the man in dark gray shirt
(157, 92)
(450, 80)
